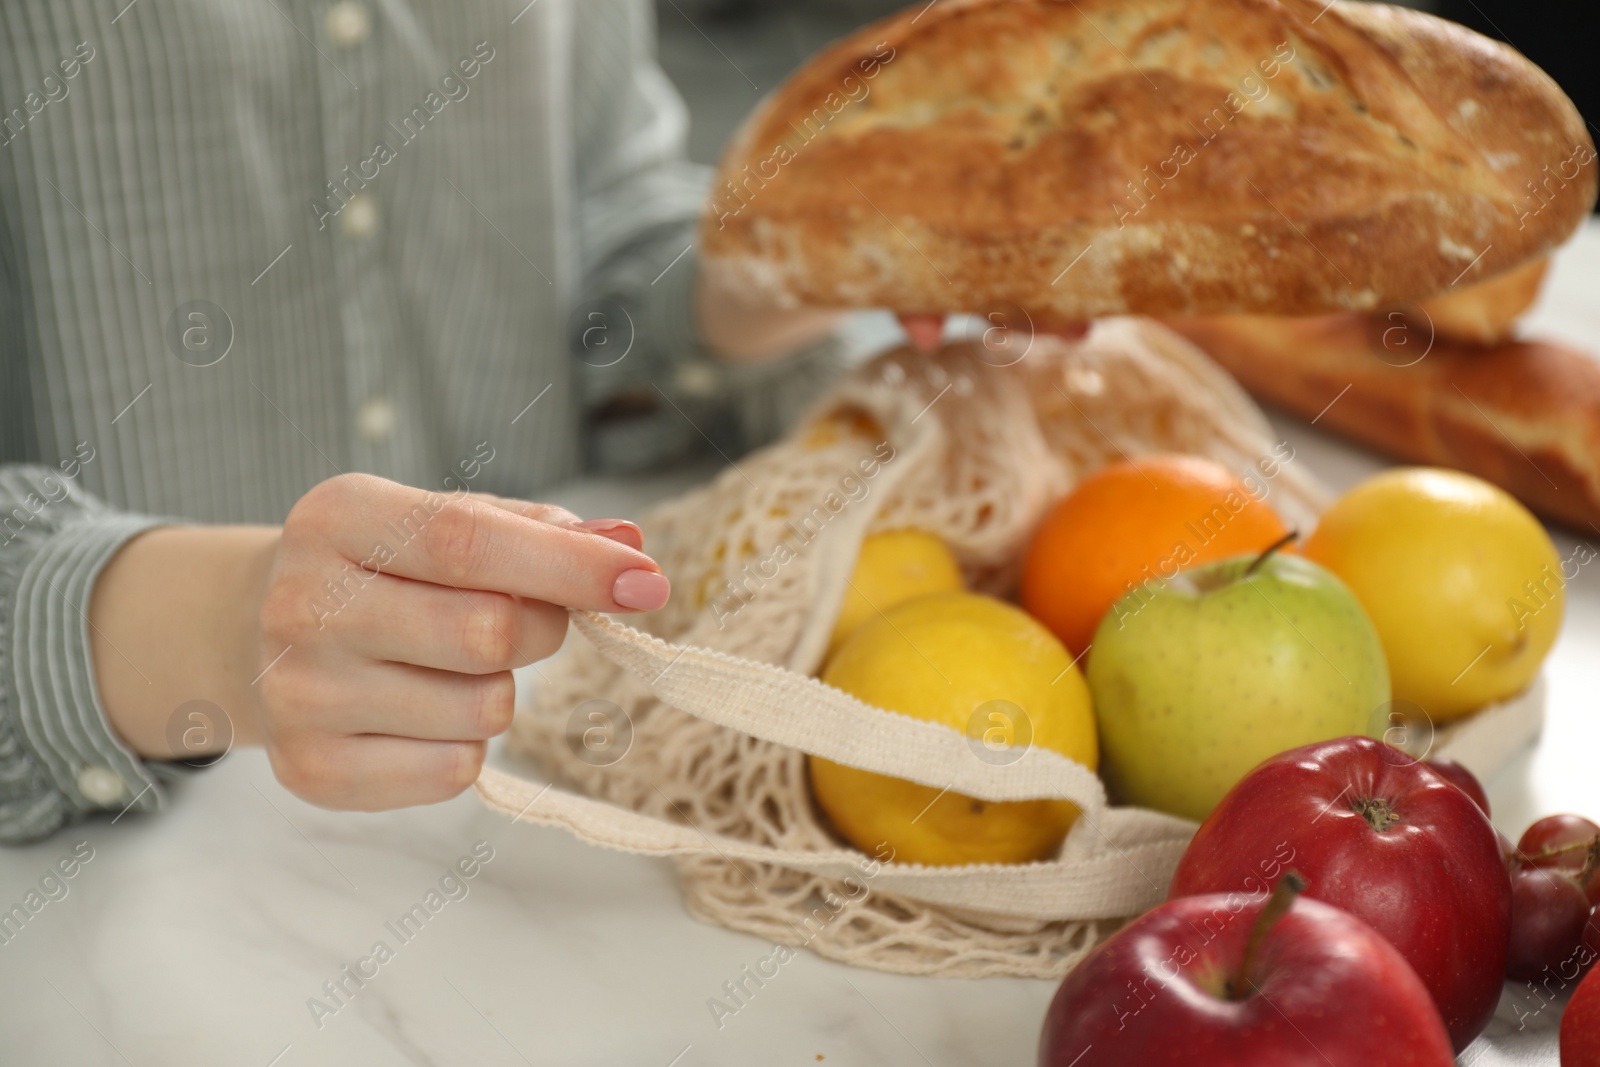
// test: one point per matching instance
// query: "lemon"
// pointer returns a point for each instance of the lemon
(894, 566)
(987, 669)
(1462, 582)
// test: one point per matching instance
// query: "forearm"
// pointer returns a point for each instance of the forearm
(173, 618)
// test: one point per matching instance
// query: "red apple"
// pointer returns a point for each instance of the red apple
(1462, 779)
(1508, 852)
(1387, 840)
(1580, 1025)
(1246, 981)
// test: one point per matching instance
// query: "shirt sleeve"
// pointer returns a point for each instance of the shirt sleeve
(59, 758)
(651, 388)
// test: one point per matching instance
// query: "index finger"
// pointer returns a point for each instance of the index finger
(470, 543)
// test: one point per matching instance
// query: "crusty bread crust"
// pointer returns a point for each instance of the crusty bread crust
(1524, 415)
(1080, 158)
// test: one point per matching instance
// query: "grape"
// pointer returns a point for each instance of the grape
(1555, 831)
(1561, 832)
(1462, 779)
(1548, 918)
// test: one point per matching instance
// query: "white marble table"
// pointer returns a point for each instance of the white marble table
(198, 937)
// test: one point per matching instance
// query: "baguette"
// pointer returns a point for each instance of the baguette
(1523, 414)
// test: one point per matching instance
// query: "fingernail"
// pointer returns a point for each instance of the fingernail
(641, 590)
(620, 530)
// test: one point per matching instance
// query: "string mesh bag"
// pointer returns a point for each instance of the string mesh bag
(684, 732)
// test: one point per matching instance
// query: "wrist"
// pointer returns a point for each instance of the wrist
(175, 618)
(240, 611)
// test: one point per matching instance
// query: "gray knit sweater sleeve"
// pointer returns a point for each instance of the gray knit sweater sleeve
(59, 759)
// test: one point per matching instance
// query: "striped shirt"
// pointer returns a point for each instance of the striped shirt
(246, 245)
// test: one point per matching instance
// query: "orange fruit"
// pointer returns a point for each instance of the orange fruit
(1135, 522)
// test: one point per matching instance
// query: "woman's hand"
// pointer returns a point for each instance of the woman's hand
(399, 616)
(744, 328)
(925, 333)
(369, 644)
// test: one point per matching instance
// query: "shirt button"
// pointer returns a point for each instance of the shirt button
(347, 23)
(99, 784)
(375, 419)
(359, 217)
(696, 380)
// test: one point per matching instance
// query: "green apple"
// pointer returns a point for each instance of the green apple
(1199, 677)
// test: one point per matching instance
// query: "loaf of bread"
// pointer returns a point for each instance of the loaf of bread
(1524, 414)
(1080, 158)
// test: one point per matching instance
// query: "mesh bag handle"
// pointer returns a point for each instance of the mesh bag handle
(1115, 862)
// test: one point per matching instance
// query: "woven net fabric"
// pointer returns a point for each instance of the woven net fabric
(968, 443)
